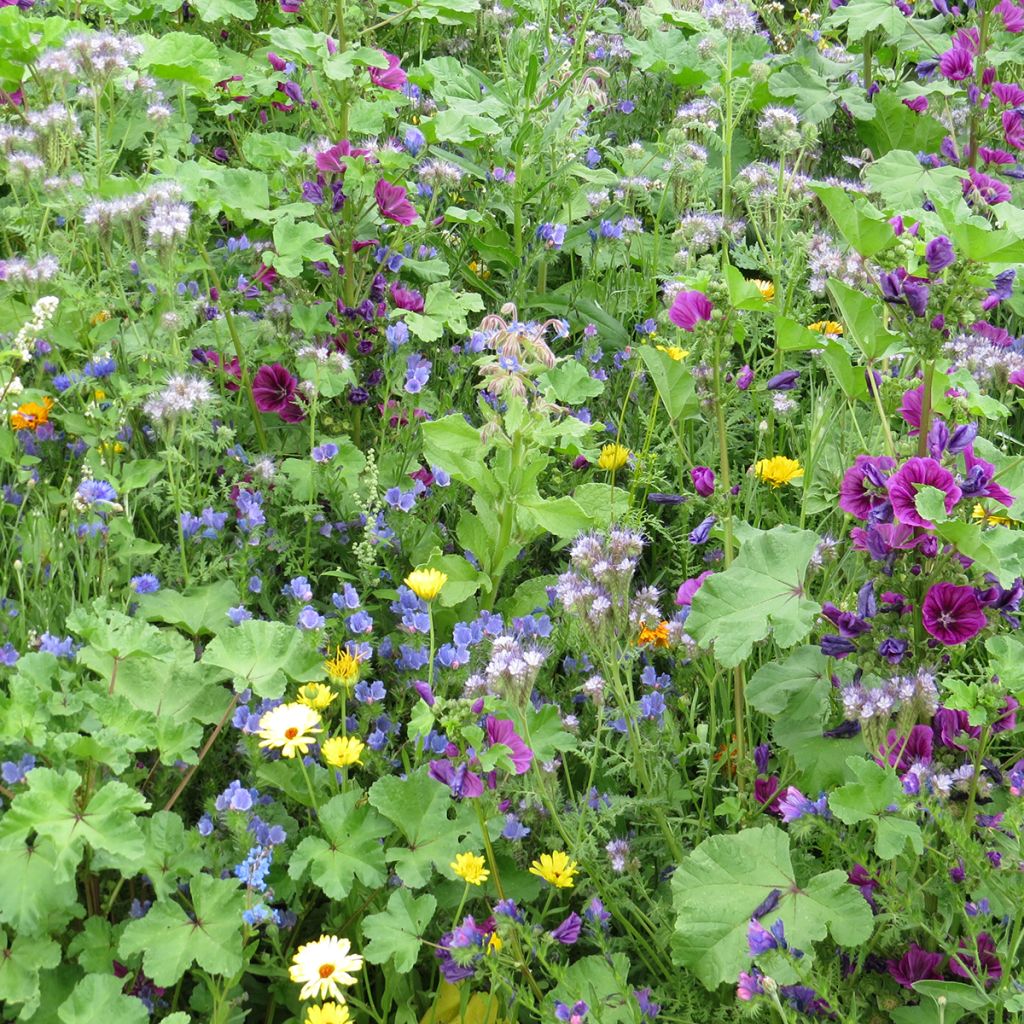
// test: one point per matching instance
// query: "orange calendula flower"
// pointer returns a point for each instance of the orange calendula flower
(657, 637)
(990, 518)
(32, 415)
(826, 327)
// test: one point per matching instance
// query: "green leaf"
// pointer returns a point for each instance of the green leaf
(930, 503)
(543, 731)
(892, 835)
(901, 178)
(864, 227)
(418, 806)
(463, 580)
(570, 382)
(673, 380)
(719, 885)
(263, 655)
(295, 241)
(20, 964)
(396, 933)
(196, 610)
(875, 789)
(812, 94)
(455, 446)
(761, 593)
(34, 897)
(172, 853)
(225, 10)
(183, 57)
(100, 997)
(49, 807)
(140, 473)
(351, 850)
(599, 981)
(953, 993)
(561, 517)
(861, 319)
(171, 941)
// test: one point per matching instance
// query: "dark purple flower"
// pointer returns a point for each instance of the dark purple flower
(916, 964)
(990, 191)
(407, 298)
(762, 754)
(273, 389)
(569, 930)
(910, 409)
(837, 647)
(688, 308)
(392, 77)
(863, 486)
(903, 486)
(766, 791)
(939, 254)
(979, 481)
(981, 961)
(700, 534)
(784, 381)
(952, 614)
(903, 751)
(917, 292)
(893, 650)
(768, 904)
(703, 481)
(1002, 289)
(460, 780)
(848, 624)
(744, 378)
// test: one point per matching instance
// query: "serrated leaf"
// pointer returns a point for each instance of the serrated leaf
(34, 896)
(674, 381)
(719, 885)
(20, 964)
(171, 854)
(350, 850)
(761, 593)
(418, 806)
(396, 934)
(875, 789)
(261, 655)
(296, 241)
(196, 610)
(900, 177)
(570, 382)
(171, 941)
(864, 227)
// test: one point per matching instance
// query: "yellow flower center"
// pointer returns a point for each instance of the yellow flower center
(326, 970)
(290, 734)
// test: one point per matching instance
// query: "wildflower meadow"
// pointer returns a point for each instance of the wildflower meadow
(512, 511)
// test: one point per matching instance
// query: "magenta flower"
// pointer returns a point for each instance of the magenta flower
(392, 77)
(1017, 378)
(919, 104)
(987, 964)
(952, 614)
(406, 298)
(684, 595)
(463, 783)
(688, 308)
(939, 254)
(501, 730)
(273, 389)
(1013, 129)
(393, 203)
(910, 409)
(863, 486)
(703, 481)
(908, 479)
(956, 64)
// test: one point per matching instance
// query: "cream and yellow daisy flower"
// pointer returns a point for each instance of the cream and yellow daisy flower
(426, 583)
(290, 728)
(555, 868)
(613, 457)
(766, 288)
(470, 868)
(329, 1013)
(342, 751)
(321, 967)
(316, 696)
(778, 470)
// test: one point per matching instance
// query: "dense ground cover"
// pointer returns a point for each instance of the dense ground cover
(510, 513)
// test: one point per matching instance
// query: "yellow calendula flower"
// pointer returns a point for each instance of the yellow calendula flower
(343, 668)
(766, 288)
(316, 696)
(470, 868)
(342, 751)
(613, 456)
(321, 966)
(100, 317)
(32, 415)
(826, 327)
(426, 583)
(657, 637)
(674, 352)
(990, 518)
(329, 1013)
(290, 728)
(778, 470)
(555, 868)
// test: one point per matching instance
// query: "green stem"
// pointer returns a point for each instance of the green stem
(309, 783)
(926, 408)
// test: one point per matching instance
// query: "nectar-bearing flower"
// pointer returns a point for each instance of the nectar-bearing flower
(470, 868)
(613, 457)
(343, 668)
(322, 966)
(778, 470)
(342, 751)
(555, 868)
(316, 696)
(426, 584)
(290, 728)
(328, 1013)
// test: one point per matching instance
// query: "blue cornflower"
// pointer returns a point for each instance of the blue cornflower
(147, 583)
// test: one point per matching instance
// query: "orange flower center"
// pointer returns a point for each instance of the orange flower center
(290, 734)
(326, 970)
